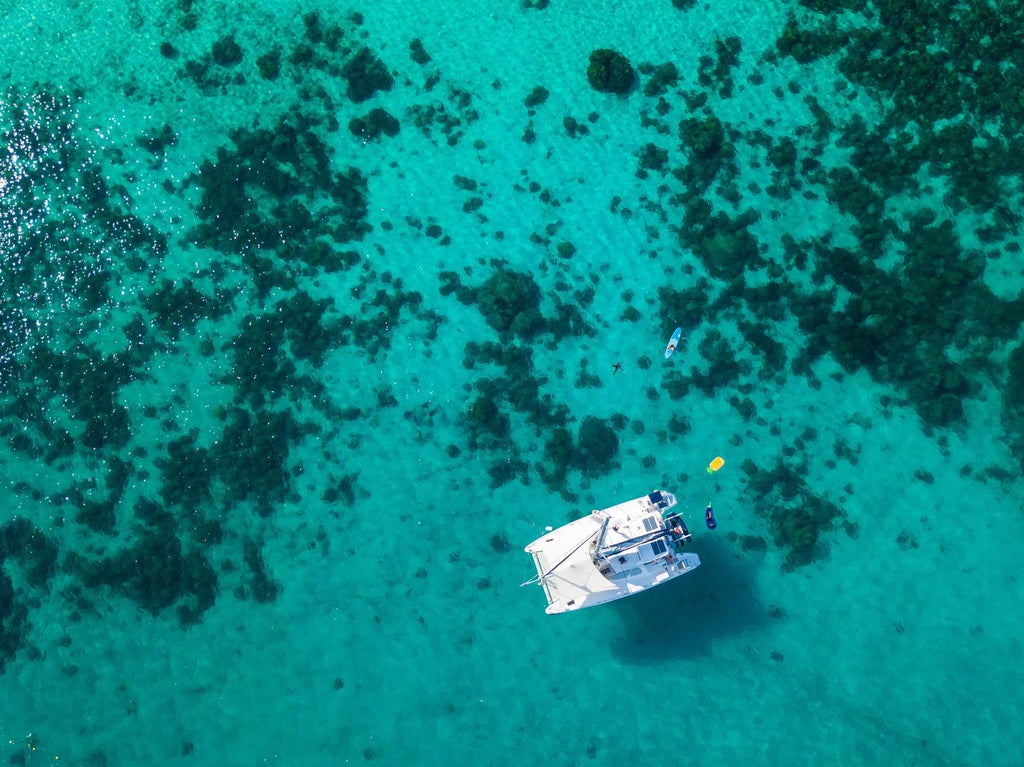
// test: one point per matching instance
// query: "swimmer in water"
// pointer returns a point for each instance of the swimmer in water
(616, 368)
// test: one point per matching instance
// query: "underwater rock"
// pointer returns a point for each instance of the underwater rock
(23, 542)
(782, 154)
(156, 140)
(260, 371)
(342, 489)
(727, 253)
(251, 456)
(506, 470)
(418, 53)
(806, 45)
(653, 157)
(573, 127)
(536, 97)
(559, 458)
(13, 621)
(518, 386)
(154, 573)
(187, 472)
(689, 305)
(709, 153)
(597, 445)
(317, 34)
(610, 72)
(510, 301)
(798, 527)
(559, 449)
(366, 74)
(179, 306)
(665, 76)
(264, 588)
(773, 352)
(90, 384)
(1013, 393)
(716, 71)
(706, 138)
(484, 417)
(373, 124)
(226, 52)
(753, 543)
(99, 516)
(233, 220)
(269, 64)
(796, 516)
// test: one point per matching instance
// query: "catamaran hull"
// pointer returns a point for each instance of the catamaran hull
(612, 553)
(684, 563)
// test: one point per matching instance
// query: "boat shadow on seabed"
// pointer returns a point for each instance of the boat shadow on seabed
(685, 617)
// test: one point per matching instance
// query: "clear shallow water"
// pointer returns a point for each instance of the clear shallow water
(282, 403)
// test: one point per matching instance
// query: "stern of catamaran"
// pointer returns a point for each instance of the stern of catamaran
(662, 499)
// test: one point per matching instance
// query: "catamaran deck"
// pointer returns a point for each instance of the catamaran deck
(631, 537)
(576, 578)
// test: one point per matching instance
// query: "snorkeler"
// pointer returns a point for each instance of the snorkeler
(616, 368)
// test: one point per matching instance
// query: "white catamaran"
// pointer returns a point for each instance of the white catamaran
(613, 553)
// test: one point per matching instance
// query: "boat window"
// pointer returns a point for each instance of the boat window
(650, 523)
(658, 546)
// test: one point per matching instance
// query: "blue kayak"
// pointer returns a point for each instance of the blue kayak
(673, 342)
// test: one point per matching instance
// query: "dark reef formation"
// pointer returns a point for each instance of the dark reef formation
(596, 446)
(797, 518)
(366, 75)
(510, 301)
(374, 124)
(248, 204)
(610, 72)
(174, 524)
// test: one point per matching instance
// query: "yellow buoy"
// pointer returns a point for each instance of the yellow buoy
(716, 464)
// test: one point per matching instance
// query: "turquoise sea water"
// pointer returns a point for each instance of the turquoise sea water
(287, 383)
